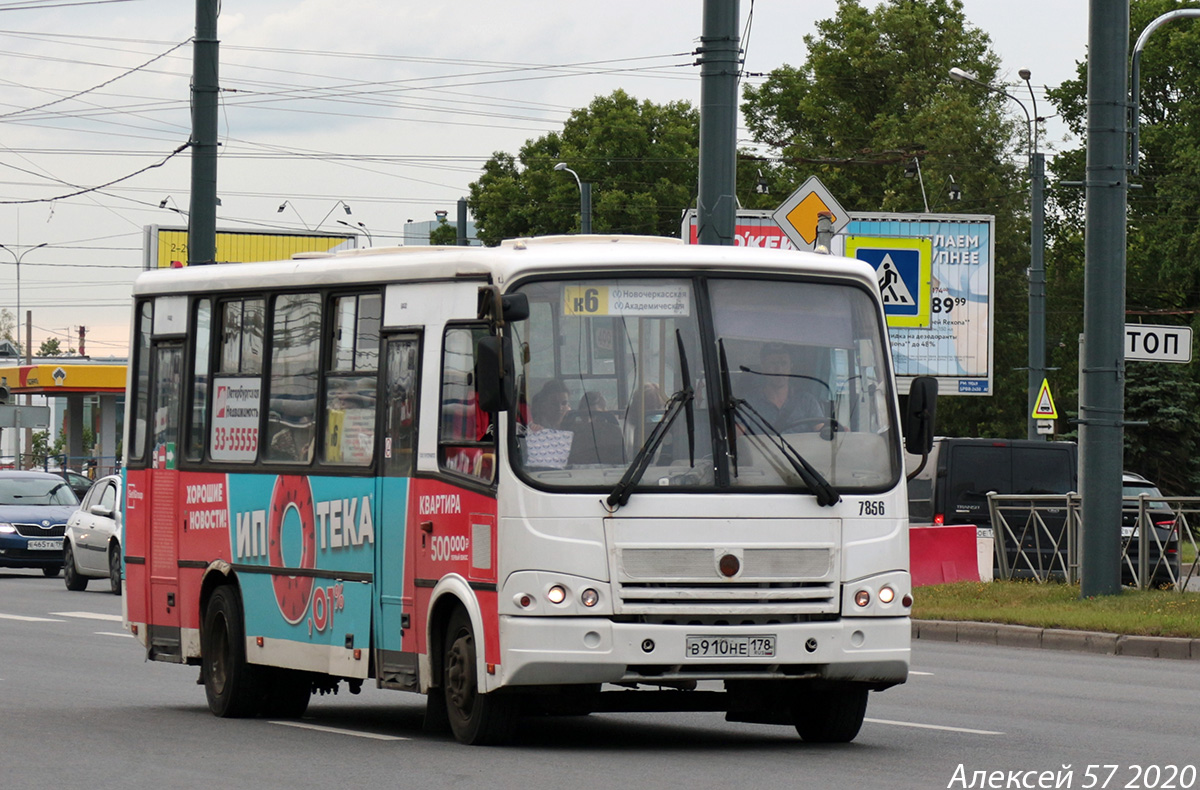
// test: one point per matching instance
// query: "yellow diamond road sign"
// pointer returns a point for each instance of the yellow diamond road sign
(798, 214)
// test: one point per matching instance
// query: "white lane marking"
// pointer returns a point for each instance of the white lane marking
(915, 672)
(115, 618)
(112, 633)
(934, 727)
(25, 619)
(338, 731)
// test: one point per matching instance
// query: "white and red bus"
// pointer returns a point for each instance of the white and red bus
(549, 477)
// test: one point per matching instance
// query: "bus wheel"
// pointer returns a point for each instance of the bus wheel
(229, 681)
(475, 718)
(287, 693)
(74, 581)
(830, 715)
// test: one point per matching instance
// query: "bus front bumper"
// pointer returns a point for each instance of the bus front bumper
(569, 650)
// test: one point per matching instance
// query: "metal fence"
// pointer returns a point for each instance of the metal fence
(1037, 537)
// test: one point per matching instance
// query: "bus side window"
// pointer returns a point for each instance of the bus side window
(464, 433)
(294, 371)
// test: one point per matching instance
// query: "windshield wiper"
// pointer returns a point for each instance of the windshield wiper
(728, 406)
(681, 400)
(826, 494)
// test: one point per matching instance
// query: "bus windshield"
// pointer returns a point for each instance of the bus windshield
(775, 369)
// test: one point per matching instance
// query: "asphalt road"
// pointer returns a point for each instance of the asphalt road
(80, 707)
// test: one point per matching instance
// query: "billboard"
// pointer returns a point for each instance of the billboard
(944, 265)
(166, 248)
(936, 273)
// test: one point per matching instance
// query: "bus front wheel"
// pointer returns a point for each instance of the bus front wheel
(229, 682)
(830, 715)
(475, 718)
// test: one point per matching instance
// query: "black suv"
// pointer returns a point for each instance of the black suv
(1162, 517)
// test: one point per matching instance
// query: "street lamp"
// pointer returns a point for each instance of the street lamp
(585, 200)
(370, 241)
(18, 259)
(288, 203)
(1037, 242)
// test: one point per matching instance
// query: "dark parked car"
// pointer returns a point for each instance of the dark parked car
(34, 508)
(78, 483)
(1134, 485)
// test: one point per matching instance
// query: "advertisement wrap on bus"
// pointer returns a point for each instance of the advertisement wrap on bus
(558, 476)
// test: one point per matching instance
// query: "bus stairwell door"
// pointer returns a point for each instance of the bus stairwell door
(163, 545)
(397, 658)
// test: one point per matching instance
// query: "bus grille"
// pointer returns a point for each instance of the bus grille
(771, 581)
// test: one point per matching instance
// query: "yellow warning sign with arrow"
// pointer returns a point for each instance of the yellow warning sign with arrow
(1044, 406)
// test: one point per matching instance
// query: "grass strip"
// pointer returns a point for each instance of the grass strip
(1053, 605)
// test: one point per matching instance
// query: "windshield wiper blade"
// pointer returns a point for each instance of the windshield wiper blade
(728, 406)
(681, 400)
(826, 494)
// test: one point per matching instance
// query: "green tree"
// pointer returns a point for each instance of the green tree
(1163, 246)
(444, 234)
(50, 348)
(641, 159)
(875, 94)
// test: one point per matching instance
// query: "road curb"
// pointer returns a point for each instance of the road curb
(1056, 639)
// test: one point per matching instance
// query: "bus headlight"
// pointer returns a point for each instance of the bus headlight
(556, 594)
(862, 598)
(887, 595)
(589, 597)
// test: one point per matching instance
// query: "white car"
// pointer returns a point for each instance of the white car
(92, 543)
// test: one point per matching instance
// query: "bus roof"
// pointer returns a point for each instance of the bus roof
(495, 264)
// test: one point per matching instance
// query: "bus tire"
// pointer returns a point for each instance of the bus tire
(287, 693)
(830, 715)
(229, 681)
(75, 582)
(475, 719)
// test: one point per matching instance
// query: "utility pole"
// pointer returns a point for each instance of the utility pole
(720, 63)
(1102, 365)
(202, 218)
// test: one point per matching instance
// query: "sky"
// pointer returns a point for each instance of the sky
(388, 106)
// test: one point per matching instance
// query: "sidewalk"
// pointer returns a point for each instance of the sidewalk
(1056, 639)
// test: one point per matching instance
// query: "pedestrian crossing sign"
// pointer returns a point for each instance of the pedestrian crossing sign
(903, 268)
(1044, 405)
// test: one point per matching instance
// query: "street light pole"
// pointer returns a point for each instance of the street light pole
(1037, 243)
(18, 259)
(585, 199)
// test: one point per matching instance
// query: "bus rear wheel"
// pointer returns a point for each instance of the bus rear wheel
(229, 681)
(475, 719)
(830, 715)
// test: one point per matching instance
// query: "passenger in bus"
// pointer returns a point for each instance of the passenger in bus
(597, 432)
(778, 396)
(546, 445)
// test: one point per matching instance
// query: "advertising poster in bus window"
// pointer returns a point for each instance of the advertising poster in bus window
(235, 418)
(936, 274)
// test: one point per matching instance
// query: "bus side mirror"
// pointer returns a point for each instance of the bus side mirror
(493, 374)
(515, 307)
(919, 415)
